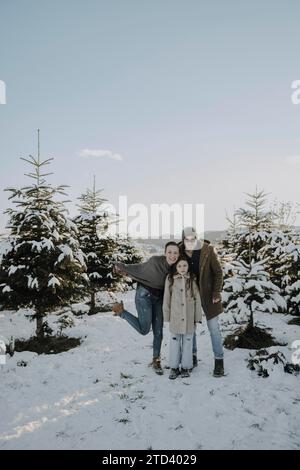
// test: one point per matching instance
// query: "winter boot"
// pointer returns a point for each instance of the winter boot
(174, 374)
(219, 368)
(118, 308)
(185, 373)
(157, 366)
(195, 360)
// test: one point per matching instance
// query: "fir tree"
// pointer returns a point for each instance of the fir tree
(249, 290)
(126, 252)
(290, 275)
(227, 251)
(229, 243)
(98, 247)
(274, 250)
(42, 265)
(256, 224)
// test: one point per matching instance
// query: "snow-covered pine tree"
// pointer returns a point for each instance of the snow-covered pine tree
(4, 246)
(249, 290)
(42, 265)
(230, 240)
(281, 249)
(98, 247)
(274, 250)
(290, 274)
(256, 225)
(126, 252)
(227, 251)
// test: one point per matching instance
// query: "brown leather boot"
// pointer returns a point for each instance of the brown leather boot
(156, 364)
(118, 308)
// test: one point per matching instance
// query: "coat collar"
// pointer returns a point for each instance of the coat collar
(180, 276)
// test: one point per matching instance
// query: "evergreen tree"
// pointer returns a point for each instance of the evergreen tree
(249, 290)
(4, 246)
(42, 265)
(256, 225)
(290, 275)
(281, 249)
(126, 252)
(98, 247)
(229, 243)
(227, 250)
(274, 250)
(265, 235)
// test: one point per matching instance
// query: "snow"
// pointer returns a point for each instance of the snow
(95, 275)
(66, 251)
(6, 289)
(85, 277)
(103, 395)
(43, 244)
(80, 257)
(12, 269)
(53, 281)
(32, 282)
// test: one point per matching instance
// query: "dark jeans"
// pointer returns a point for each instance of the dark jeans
(149, 309)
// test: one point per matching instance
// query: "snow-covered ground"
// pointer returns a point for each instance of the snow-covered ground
(103, 395)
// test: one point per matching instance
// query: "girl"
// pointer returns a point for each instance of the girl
(182, 308)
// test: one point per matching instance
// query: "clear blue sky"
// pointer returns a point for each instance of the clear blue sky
(194, 95)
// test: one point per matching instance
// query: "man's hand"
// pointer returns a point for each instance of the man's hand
(118, 270)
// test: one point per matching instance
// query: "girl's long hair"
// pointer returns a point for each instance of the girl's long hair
(173, 272)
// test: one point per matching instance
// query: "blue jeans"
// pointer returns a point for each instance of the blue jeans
(216, 338)
(149, 309)
(181, 347)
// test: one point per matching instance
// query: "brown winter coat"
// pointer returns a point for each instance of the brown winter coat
(210, 280)
(180, 308)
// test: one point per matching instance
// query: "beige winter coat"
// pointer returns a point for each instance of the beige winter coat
(179, 307)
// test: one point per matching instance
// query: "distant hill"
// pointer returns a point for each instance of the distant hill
(214, 236)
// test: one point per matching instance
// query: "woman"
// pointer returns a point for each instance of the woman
(150, 276)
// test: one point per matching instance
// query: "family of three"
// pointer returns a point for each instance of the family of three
(176, 288)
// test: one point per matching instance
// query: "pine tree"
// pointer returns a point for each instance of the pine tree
(249, 290)
(227, 251)
(98, 247)
(274, 250)
(126, 252)
(256, 225)
(281, 249)
(4, 247)
(42, 265)
(230, 240)
(290, 274)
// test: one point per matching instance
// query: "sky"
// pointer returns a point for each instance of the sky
(164, 101)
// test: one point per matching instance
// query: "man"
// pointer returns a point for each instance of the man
(150, 277)
(207, 269)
